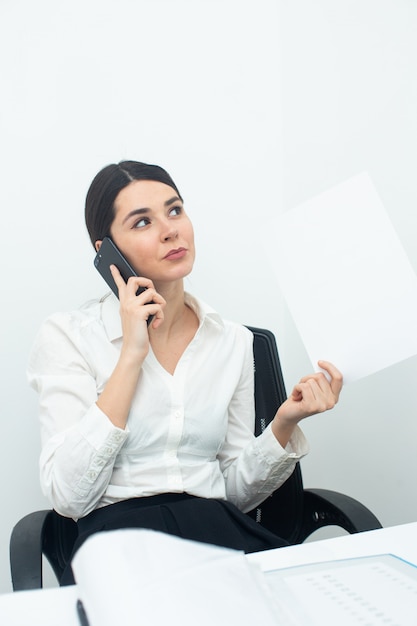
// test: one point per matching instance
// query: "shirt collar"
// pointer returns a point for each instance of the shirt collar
(203, 311)
(112, 323)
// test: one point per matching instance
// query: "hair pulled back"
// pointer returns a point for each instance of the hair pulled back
(106, 185)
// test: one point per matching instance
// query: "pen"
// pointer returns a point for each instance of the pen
(82, 615)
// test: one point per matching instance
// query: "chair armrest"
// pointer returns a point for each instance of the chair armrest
(331, 508)
(26, 551)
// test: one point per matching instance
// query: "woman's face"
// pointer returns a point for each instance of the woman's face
(153, 231)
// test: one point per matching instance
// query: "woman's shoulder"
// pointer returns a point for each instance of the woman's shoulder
(84, 314)
(65, 333)
(241, 334)
(73, 322)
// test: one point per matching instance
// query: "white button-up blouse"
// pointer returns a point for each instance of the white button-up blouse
(187, 432)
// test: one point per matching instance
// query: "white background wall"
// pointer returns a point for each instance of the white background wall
(252, 107)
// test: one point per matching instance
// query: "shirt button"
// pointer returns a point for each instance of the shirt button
(177, 414)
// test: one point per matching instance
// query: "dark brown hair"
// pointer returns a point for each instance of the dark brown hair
(101, 196)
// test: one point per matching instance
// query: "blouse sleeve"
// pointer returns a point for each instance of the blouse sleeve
(79, 443)
(254, 467)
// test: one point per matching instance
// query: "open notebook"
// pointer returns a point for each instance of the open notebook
(132, 577)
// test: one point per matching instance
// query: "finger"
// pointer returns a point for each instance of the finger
(133, 283)
(312, 398)
(321, 383)
(297, 393)
(158, 318)
(319, 377)
(332, 377)
(336, 377)
(322, 394)
(318, 394)
(136, 283)
(147, 297)
(117, 277)
(154, 311)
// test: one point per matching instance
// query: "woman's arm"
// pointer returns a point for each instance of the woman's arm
(116, 398)
(79, 443)
(254, 467)
(86, 390)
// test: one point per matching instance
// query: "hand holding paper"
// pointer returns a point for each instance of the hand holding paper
(314, 394)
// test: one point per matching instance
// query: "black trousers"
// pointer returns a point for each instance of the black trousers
(207, 520)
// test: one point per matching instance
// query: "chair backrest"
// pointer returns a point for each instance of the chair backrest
(282, 512)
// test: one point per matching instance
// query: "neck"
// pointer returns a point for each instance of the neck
(175, 307)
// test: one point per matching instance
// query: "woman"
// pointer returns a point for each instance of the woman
(152, 426)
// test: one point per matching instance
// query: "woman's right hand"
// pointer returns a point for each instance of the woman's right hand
(116, 398)
(135, 310)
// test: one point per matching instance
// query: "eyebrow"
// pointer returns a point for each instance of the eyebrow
(143, 211)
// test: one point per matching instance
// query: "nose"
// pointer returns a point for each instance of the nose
(171, 233)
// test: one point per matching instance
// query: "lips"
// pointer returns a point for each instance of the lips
(178, 253)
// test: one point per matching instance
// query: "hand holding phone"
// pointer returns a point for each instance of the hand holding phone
(109, 254)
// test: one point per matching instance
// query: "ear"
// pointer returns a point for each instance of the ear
(97, 245)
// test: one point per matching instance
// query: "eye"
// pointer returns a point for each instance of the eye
(175, 210)
(143, 221)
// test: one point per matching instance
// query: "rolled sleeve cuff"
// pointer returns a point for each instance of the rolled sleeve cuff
(106, 439)
(97, 429)
(272, 450)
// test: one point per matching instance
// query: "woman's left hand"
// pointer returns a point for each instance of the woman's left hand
(315, 393)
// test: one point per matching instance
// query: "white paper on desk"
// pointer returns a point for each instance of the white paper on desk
(346, 278)
(378, 590)
(136, 576)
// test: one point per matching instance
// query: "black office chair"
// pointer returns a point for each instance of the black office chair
(291, 512)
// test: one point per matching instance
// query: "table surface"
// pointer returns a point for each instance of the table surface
(57, 606)
(399, 540)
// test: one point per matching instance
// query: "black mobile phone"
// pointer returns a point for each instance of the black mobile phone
(109, 254)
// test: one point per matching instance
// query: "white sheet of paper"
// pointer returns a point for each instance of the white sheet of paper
(346, 279)
(138, 576)
(378, 589)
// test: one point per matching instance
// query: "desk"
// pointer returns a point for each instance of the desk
(398, 540)
(40, 607)
(56, 607)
